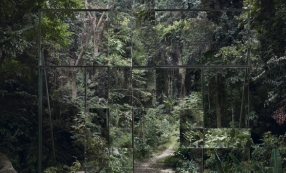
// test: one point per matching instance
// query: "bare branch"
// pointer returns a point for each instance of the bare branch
(101, 17)
(100, 20)
(83, 50)
(86, 7)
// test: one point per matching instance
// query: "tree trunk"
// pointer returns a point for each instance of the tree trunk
(2, 59)
(73, 85)
(209, 100)
(217, 103)
(182, 72)
(126, 74)
(96, 39)
(181, 130)
(143, 130)
(166, 82)
(242, 101)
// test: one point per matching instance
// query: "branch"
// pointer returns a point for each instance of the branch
(95, 26)
(100, 20)
(88, 12)
(83, 50)
(101, 17)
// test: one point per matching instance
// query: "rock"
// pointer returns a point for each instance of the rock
(6, 165)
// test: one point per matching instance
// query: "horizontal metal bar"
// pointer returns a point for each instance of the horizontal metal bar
(119, 89)
(218, 148)
(108, 167)
(153, 67)
(74, 10)
(171, 9)
(143, 67)
(191, 66)
(198, 66)
(68, 66)
(214, 10)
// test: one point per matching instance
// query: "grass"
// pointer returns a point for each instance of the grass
(173, 142)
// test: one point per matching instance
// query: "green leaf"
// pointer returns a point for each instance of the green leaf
(275, 161)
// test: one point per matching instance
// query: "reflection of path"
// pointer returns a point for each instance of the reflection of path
(150, 165)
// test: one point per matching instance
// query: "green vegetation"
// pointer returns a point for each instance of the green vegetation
(119, 99)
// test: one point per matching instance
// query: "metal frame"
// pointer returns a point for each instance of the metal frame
(159, 9)
(42, 69)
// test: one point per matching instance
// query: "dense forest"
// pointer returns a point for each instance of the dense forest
(108, 84)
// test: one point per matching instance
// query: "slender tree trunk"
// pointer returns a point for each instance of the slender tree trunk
(246, 118)
(2, 59)
(217, 103)
(232, 114)
(126, 78)
(232, 109)
(73, 85)
(96, 39)
(182, 73)
(181, 130)
(242, 101)
(166, 82)
(107, 126)
(209, 100)
(143, 130)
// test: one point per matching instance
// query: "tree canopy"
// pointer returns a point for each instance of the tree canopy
(133, 77)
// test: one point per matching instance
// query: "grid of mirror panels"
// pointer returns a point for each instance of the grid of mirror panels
(117, 98)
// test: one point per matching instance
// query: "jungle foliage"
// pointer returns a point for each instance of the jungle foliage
(105, 117)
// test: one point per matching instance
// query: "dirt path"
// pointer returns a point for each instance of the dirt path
(150, 165)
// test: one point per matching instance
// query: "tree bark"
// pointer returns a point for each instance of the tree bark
(182, 72)
(166, 83)
(242, 101)
(96, 38)
(73, 85)
(2, 59)
(218, 104)
(143, 131)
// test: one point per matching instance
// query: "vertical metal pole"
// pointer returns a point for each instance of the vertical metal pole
(248, 37)
(248, 106)
(40, 106)
(249, 63)
(132, 109)
(40, 95)
(202, 83)
(108, 110)
(110, 15)
(153, 90)
(85, 88)
(133, 149)
(248, 71)
(86, 111)
(49, 107)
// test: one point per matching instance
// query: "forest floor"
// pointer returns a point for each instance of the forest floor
(152, 166)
